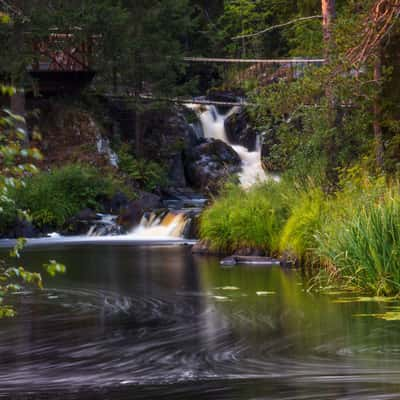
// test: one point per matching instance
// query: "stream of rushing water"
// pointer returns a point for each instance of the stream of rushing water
(151, 322)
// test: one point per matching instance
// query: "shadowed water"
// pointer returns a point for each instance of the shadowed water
(158, 323)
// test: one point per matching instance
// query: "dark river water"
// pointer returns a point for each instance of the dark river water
(130, 322)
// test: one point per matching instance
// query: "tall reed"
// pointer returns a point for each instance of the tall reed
(365, 246)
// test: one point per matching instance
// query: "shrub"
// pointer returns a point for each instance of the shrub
(51, 198)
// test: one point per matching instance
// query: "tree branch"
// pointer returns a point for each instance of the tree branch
(271, 28)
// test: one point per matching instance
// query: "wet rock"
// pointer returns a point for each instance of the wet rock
(116, 203)
(132, 213)
(252, 260)
(149, 201)
(80, 223)
(22, 228)
(105, 228)
(86, 214)
(210, 164)
(240, 132)
(176, 174)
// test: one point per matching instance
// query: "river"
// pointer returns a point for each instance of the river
(156, 322)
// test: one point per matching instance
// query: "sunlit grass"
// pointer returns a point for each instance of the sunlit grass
(365, 246)
(352, 235)
(245, 219)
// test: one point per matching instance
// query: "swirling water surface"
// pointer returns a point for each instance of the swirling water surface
(158, 323)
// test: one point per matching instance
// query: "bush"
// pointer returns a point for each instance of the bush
(51, 198)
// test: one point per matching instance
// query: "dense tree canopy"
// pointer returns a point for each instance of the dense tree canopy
(136, 41)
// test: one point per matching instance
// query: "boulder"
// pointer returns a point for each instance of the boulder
(22, 228)
(80, 223)
(86, 214)
(240, 132)
(176, 174)
(149, 201)
(132, 213)
(116, 203)
(210, 164)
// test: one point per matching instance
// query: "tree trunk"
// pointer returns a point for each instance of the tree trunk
(328, 17)
(377, 112)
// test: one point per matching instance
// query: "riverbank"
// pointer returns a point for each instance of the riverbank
(352, 235)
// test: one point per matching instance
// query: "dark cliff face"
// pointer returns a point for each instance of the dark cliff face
(71, 133)
(240, 132)
(210, 164)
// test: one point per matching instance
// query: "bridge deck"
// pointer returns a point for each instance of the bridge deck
(255, 60)
(177, 100)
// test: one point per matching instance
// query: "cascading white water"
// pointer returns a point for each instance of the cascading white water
(160, 227)
(213, 124)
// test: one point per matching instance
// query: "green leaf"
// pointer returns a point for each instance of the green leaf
(53, 268)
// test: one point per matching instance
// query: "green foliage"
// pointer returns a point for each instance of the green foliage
(14, 279)
(353, 234)
(51, 198)
(53, 268)
(300, 137)
(15, 164)
(150, 175)
(246, 219)
(364, 246)
(306, 218)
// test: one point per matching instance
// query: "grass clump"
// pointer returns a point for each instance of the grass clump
(51, 198)
(307, 216)
(364, 247)
(352, 234)
(245, 219)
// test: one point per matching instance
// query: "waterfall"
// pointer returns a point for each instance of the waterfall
(213, 123)
(165, 226)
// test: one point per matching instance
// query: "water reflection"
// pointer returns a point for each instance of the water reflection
(154, 323)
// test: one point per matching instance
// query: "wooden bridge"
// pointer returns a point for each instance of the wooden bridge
(184, 101)
(277, 61)
(127, 94)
